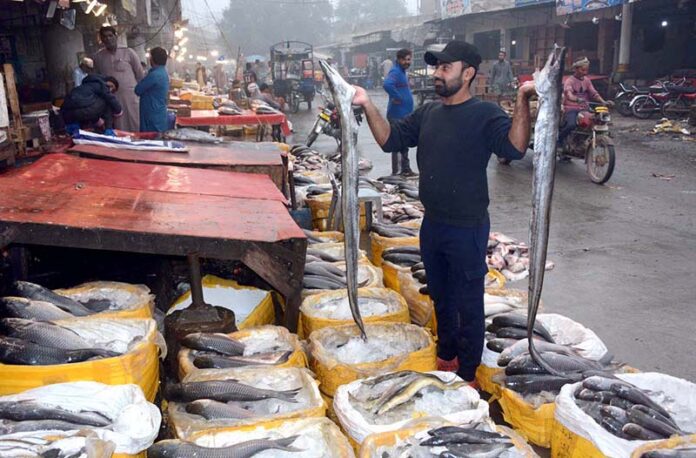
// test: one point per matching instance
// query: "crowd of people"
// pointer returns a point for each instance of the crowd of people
(113, 90)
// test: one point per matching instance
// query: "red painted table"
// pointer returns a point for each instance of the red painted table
(213, 118)
(166, 211)
(246, 157)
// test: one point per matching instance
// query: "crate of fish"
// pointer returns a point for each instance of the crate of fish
(526, 391)
(110, 299)
(331, 252)
(322, 277)
(332, 309)
(390, 401)
(502, 344)
(266, 346)
(219, 400)
(306, 438)
(110, 351)
(340, 355)
(386, 236)
(42, 417)
(437, 437)
(676, 447)
(102, 299)
(613, 416)
(413, 287)
(251, 306)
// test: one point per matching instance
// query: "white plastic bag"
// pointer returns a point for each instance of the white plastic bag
(564, 332)
(135, 422)
(357, 426)
(678, 398)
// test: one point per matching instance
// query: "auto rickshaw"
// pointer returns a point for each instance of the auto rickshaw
(292, 68)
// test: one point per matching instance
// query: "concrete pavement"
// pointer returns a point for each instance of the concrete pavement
(625, 252)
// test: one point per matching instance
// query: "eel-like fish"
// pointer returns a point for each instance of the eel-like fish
(343, 97)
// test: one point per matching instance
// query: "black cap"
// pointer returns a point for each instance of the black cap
(454, 51)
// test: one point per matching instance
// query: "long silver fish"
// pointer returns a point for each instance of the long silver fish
(33, 410)
(548, 84)
(343, 97)
(21, 307)
(180, 449)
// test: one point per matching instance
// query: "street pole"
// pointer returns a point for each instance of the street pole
(625, 41)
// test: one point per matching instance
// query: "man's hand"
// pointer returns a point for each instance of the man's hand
(360, 98)
(527, 90)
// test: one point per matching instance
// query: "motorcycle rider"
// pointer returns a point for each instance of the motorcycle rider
(577, 92)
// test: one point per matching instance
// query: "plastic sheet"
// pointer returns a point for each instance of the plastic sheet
(131, 301)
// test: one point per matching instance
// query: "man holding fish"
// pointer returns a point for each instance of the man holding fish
(455, 138)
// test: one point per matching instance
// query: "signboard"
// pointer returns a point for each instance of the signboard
(576, 6)
(454, 8)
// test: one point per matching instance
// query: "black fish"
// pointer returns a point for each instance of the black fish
(527, 384)
(39, 293)
(517, 320)
(215, 342)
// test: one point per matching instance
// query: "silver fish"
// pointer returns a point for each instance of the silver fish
(39, 293)
(343, 97)
(43, 333)
(180, 449)
(191, 135)
(548, 84)
(21, 307)
(213, 410)
(522, 346)
(214, 342)
(18, 351)
(11, 427)
(32, 410)
(224, 390)
(213, 361)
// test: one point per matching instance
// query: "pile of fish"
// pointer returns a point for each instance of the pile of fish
(182, 449)
(228, 107)
(81, 445)
(625, 410)
(477, 440)
(261, 107)
(688, 451)
(220, 351)
(324, 275)
(394, 230)
(39, 343)
(191, 135)
(364, 164)
(392, 397)
(29, 415)
(503, 302)
(397, 209)
(34, 302)
(509, 256)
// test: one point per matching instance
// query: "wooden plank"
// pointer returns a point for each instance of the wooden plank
(17, 129)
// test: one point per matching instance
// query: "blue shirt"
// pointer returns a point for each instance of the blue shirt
(153, 90)
(400, 98)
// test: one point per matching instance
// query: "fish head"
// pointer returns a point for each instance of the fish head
(549, 77)
(337, 84)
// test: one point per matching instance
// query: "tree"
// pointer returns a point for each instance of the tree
(350, 12)
(255, 25)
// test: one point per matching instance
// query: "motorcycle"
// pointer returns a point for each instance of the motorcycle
(643, 106)
(625, 94)
(590, 141)
(328, 122)
(680, 106)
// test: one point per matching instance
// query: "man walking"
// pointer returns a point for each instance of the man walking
(501, 75)
(455, 138)
(400, 106)
(124, 65)
(153, 91)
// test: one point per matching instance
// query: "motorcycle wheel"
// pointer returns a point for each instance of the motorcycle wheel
(675, 109)
(311, 138)
(644, 108)
(623, 105)
(600, 162)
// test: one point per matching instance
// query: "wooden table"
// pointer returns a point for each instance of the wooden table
(66, 201)
(212, 118)
(246, 157)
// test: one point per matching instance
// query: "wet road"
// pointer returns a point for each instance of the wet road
(625, 252)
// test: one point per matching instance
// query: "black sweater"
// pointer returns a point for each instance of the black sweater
(454, 144)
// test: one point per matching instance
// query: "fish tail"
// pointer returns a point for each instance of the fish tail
(285, 444)
(287, 395)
